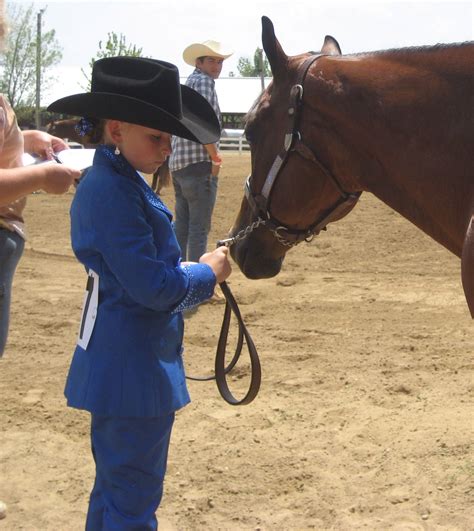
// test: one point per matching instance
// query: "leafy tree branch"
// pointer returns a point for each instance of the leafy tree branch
(116, 45)
(18, 80)
(247, 68)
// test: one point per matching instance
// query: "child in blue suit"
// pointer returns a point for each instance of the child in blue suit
(127, 368)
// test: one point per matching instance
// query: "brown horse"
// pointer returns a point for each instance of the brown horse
(396, 123)
(66, 129)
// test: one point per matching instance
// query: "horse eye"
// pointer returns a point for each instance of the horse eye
(248, 136)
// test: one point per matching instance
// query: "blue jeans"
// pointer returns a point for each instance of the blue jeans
(130, 456)
(11, 249)
(195, 192)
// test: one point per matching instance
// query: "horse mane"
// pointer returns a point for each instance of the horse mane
(247, 116)
(409, 50)
(251, 111)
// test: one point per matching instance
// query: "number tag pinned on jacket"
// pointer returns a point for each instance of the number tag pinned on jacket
(89, 309)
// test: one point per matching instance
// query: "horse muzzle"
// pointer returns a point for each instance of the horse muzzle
(255, 260)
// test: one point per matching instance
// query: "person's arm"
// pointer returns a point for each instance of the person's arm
(215, 157)
(213, 153)
(19, 182)
(42, 144)
(130, 251)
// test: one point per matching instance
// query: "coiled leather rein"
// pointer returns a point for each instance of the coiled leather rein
(221, 370)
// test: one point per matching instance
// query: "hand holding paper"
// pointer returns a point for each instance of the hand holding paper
(42, 144)
(78, 159)
(59, 177)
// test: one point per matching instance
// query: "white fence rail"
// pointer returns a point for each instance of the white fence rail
(236, 144)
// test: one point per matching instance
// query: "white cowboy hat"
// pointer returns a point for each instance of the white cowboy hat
(204, 49)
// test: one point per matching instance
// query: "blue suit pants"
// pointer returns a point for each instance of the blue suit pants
(130, 456)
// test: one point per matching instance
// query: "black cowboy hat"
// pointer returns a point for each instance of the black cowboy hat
(145, 92)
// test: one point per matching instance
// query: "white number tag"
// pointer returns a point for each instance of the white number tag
(89, 309)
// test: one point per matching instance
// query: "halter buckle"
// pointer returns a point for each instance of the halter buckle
(296, 93)
(291, 139)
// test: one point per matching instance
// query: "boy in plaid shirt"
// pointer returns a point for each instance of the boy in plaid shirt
(195, 167)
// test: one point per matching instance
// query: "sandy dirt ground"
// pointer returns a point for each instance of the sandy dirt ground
(365, 415)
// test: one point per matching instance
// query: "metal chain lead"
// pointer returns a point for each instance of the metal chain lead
(241, 235)
(281, 239)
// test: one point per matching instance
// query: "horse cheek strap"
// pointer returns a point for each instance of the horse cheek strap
(467, 266)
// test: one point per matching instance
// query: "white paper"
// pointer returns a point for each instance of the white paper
(79, 159)
(28, 159)
(89, 309)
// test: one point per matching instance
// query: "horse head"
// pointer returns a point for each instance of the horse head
(290, 195)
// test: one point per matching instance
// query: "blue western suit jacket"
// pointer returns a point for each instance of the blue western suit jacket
(132, 365)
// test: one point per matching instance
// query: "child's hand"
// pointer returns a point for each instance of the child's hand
(218, 260)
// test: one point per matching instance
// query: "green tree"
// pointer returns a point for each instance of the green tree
(18, 80)
(247, 68)
(115, 45)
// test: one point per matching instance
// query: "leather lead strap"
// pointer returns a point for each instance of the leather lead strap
(220, 367)
(221, 370)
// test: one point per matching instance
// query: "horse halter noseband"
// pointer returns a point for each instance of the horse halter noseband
(260, 203)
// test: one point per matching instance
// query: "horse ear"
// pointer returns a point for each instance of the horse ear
(330, 46)
(273, 50)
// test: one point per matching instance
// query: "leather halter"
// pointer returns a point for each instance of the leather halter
(260, 203)
(290, 237)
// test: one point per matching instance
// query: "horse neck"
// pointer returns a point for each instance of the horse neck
(398, 126)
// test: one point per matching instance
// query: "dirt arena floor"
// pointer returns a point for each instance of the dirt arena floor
(365, 415)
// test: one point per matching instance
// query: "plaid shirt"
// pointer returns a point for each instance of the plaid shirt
(186, 152)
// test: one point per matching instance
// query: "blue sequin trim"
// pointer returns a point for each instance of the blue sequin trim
(117, 160)
(199, 289)
(152, 197)
(123, 166)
